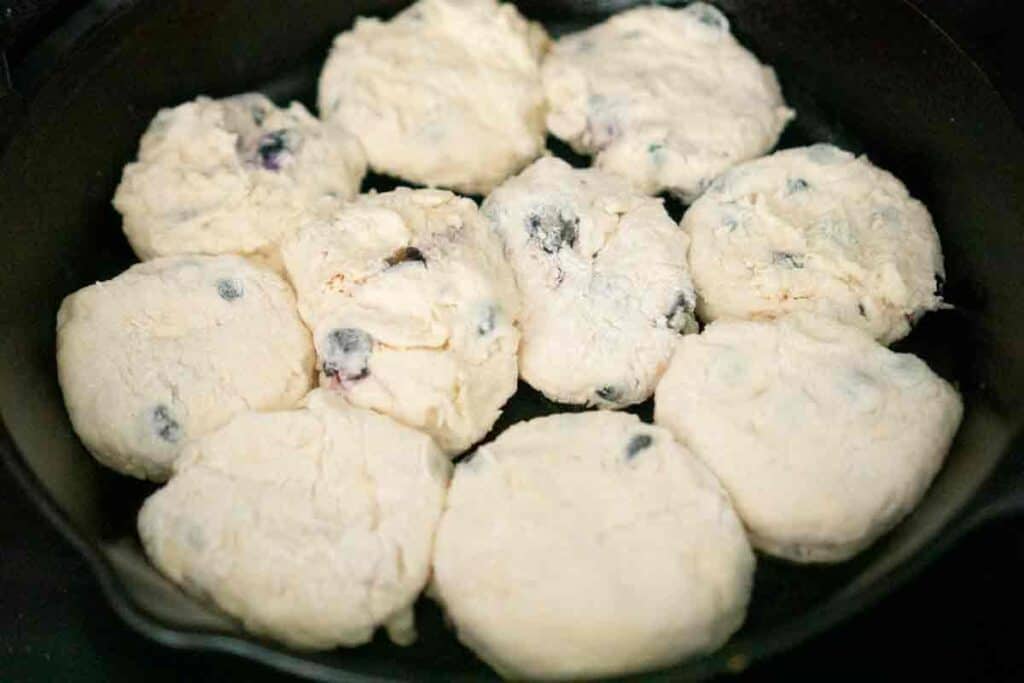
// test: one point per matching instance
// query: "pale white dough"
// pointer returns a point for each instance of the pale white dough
(823, 438)
(586, 545)
(173, 348)
(665, 97)
(312, 526)
(413, 310)
(447, 93)
(234, 175)
(815, 229)
(606, 289)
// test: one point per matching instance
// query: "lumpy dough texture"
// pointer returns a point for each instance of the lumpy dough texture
(606, 290)
(665, 97)
(312, 526)
(234, 175)
(823, 438)
(173, 348)
(447, 93)
(586, 545)
(413, 310)
(815, 229)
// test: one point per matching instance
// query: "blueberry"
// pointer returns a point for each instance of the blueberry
(729, 222)
(230, 289)
(487, 322)
(272, 148)
(787, 259)
(553, 228)
(794, 185)
(863, 311)
(258, 115)
(609, 393)
(656, 151)
(406, 255)
(940, 284)
(165, 426)
(346, 354)
(638, 443)
(680, 317)
(709, 16)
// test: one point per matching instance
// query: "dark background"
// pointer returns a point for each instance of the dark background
(955, 621)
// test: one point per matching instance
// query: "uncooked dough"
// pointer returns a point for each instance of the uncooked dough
(173, 348)
(234, 175)
(606, 289)
(312, 526)
(447, 93)
(665, 97)
(413, 310)
(815, 229)
(586, 545)
(823, 438)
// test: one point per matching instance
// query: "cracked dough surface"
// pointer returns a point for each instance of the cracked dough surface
(312, 526)
(173, 348)
(606, 289)
(234, 175)
(589, 544)
(823, 438)
(447, 93)
(665, 97)
(815, 229)
(412, 307)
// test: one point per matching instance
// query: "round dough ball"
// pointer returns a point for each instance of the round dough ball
(312, 526)
(589, 544)
(234, 175)
(815, 229)
(173, 348)
(413, 310)
(447, 93)
(665, 97)
(823, 438)
(606, 289)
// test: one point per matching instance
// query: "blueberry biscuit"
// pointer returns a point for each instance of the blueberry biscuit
(823, 438)
(173, 348)
(815, 229)
(412, 308)
(665, 97)
(233, 176)
(606, 290)
(447, 93)
(589, 545)
(312, 526)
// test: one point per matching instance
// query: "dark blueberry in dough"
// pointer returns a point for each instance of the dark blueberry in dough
(863, 311)
(787, 259)
(637, 444)
(709, 16)
(794, 185)
(258, 115)
(609, 393)
(230, 289)
(730, 223)
(347, 354)
(553, 228)
(165, 426)
(487, 322)
(272, 149)
(680, 317)
(940, 284)
(406, 255)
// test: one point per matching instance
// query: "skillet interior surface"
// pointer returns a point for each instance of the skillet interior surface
(876, 78)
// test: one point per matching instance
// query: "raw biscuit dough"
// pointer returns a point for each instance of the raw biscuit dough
(823, 438)
(447, 93)
(815, 229)
(665, 97)
(589, 545)
(173, 348)
(234, 175)
(413, 310)
(606, 289)
(312, 526)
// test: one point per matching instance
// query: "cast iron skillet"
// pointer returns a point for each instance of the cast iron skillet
(874, 77)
